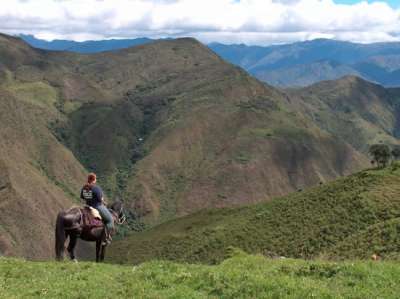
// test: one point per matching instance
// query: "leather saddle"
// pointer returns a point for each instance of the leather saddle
(91, 217)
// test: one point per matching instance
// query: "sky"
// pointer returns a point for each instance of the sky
(393, 3)
(253, 22)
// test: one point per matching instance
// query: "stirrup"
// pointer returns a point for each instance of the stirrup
(105, 242)
(107, 239)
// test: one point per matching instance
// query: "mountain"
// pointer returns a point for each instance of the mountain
(357, 111)
(305, 63)
(190, 131)
(86, 46)
(170, 128)
(297, 64)
(350, 218)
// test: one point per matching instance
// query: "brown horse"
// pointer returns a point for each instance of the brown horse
(69, 224)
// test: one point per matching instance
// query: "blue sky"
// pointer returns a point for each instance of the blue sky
(393, 3)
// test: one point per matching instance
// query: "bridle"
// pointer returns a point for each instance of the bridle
(118, 220)
(121, 220)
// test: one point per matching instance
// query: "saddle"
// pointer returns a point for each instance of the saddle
(91, 217)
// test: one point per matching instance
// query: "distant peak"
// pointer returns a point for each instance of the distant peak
(188, 40)
(357, 80)
(351, 78)
(11, 39)
(347, 81)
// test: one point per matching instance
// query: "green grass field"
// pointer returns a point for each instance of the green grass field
(239, 276)
(350, 218)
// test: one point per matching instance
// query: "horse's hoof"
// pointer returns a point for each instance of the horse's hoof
(74, 260)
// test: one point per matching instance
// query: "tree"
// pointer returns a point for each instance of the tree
(380, 153)
(396, 152)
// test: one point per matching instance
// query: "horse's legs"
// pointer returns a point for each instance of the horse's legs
(102, 252)
(71, 246)
(98, 248)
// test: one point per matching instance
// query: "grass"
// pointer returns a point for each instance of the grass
(239, 276)
(302, 225)
(382, 237)
(257, 132)
(37, 93)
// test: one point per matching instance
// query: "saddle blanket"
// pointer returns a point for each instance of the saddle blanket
(91, 217)
(95, 213)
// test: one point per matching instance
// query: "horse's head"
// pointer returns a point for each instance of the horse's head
(118, 209)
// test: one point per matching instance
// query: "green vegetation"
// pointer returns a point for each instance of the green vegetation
(240, 276)
(381, 154)
(382, 238)
(37, 93)
(396, 152)
(302, 225)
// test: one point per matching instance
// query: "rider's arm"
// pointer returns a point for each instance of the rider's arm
(99, 194)
(82, 194)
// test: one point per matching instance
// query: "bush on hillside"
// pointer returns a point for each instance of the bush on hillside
(380, 153)
(396, 152)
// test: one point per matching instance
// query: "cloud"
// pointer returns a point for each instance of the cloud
(248, 21)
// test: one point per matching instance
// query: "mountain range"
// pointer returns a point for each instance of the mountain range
(305, 63)
(288, 65)
(84, 47)
(170, 128)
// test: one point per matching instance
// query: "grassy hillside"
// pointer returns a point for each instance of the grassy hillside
(382, 237)
(322, 222)
(38, 177)
(240, 276)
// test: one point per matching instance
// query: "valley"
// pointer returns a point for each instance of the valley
(171, 129)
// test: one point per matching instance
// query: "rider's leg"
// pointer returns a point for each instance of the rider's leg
(108, 220)
(106, 216)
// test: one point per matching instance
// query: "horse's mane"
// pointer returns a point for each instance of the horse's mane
(116, 206)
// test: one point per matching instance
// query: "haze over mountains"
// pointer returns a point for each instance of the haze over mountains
(171, 128)
(297, 64)
(84, 47)
(304, 63)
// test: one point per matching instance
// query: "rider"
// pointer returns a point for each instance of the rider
(93, 195)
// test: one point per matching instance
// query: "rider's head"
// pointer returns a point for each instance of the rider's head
(91, 178)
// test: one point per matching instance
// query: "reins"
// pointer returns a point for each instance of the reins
(118, 220)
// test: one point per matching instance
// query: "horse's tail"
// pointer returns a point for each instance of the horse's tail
(60, 236)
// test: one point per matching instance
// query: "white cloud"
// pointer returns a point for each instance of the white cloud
(248, 21)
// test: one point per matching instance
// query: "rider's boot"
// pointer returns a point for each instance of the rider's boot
(107, 238)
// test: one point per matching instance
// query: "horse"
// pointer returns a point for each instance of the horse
(70, 224)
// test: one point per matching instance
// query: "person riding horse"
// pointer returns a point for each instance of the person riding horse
(93, 196)
(75, 223)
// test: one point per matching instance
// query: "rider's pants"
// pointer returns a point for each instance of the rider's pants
(106, 216)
